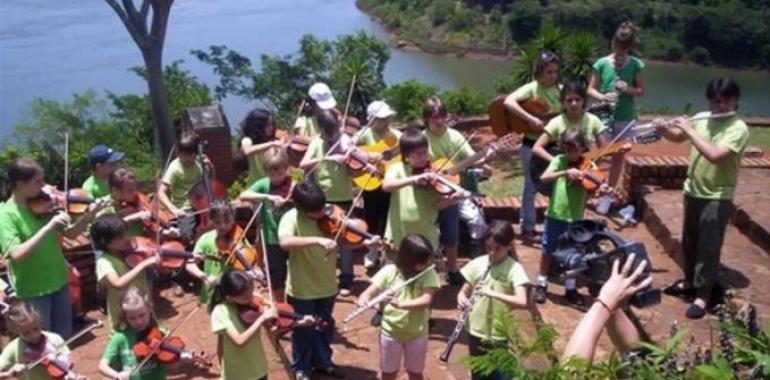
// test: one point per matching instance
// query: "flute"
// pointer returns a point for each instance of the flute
(392, 291)
(460, 326)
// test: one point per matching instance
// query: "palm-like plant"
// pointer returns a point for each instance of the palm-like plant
(579, 52)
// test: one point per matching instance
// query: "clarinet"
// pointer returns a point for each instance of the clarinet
(460, 326)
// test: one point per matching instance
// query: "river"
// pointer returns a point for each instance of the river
(52, 49)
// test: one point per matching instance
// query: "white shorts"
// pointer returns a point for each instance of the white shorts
(413, 352)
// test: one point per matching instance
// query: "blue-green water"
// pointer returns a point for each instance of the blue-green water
(52, 49)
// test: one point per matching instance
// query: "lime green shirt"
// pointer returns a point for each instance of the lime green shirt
(625, 109)
(13, 353)
(120, 355)
(413, 209)
(590, 125)
(206, 246)
(268, 214)
(332, 177)
(717, 180)
(135, 227)
(109, 263)
(245, 362)
(534, 90)
(504, 277)
(311, 270)
(367, 136)
(256, 167)
(446, 144)
(308, 126)
(568, 200)
(405, 325)
(180, 180)
(96, 188)
(17, 225)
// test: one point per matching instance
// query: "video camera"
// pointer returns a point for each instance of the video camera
(588, 249)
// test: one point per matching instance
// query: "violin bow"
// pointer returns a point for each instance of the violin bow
(165, 339)
(457, 150)
(155, 206)
(57, 349)
(66, 166)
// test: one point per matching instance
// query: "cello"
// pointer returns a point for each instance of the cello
(205, 192)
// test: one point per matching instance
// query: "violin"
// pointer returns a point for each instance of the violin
(592, 177)
(287, 318)
(351, 231)
(158, 220)
(167, 349)
(443, 184)
(51, 199)
(172, 253)
(240, 256)
(296, 149)
(55, 364)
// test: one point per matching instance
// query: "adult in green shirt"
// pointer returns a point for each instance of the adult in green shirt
(544, 88)
(30, 242)
(717, 146)
(103, 161)
(500, 285)
(617, 79)
(258, 131)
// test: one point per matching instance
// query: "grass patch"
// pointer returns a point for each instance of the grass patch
(760, 137)
(507, 179)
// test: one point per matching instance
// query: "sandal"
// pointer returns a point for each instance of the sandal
(677, 289)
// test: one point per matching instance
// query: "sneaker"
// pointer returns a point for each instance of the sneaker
(332, 371)
(530, 238)
(541, 294)
(371, 260)
(575, 298)
(344, 291)
(695, 312)
(301, 375)
(455, 278)
(376, 320)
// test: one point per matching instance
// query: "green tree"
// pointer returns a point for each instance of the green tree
(408, 97)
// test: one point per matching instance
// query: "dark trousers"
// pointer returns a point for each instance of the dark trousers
(311, 348)
(376, 205)
(477, 347)
(705, 222)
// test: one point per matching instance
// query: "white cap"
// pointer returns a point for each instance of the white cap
(379, 110)
(322, 95)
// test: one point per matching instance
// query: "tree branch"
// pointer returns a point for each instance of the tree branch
(144, 9)
(135, 35)
(160, 13)
(140, 23)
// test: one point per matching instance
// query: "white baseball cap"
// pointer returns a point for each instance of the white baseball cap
(322, 95)
(378, 109)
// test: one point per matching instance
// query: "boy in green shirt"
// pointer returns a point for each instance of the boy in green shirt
(103, 160)
(708, 191)
(273, 192)
(500, 283)
(566, 205)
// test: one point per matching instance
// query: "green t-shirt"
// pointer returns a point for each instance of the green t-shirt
(308, 126)
(405, 325)
(109, 263)
(180, 180)
(332, 177)
(504, 277)
(625, 110)
(311, 270)
(206, 246)
(256, 167)
(568, 200)
(367, 136)
(120, 355)
(412, 209)
(709, 180)
(13, 353)
(446, 144)
(96, 188)
(135, 227)
(550, 95)
(245, 362)
(590, 125)
(17, 225)
(269, 216)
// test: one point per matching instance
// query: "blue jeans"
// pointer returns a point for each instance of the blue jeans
(56, 310)
(528, 216)
(551, 232)
(449, 226)
(311, 348)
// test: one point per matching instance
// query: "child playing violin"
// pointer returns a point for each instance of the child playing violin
(182, 174)
(258, 129)
(566, 205)
(119, 360)
(503, 288)
(273, 192)
(214, 257)
(243, 356)
(103, 161)
(414, 207)
(404, 331)
(329, 151)
(310, 285)
(24, 320)
(109, 234)
(30, 241)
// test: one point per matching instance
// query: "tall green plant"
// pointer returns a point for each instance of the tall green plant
(579, 52)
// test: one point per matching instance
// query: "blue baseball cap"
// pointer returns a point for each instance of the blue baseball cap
(103, 153)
